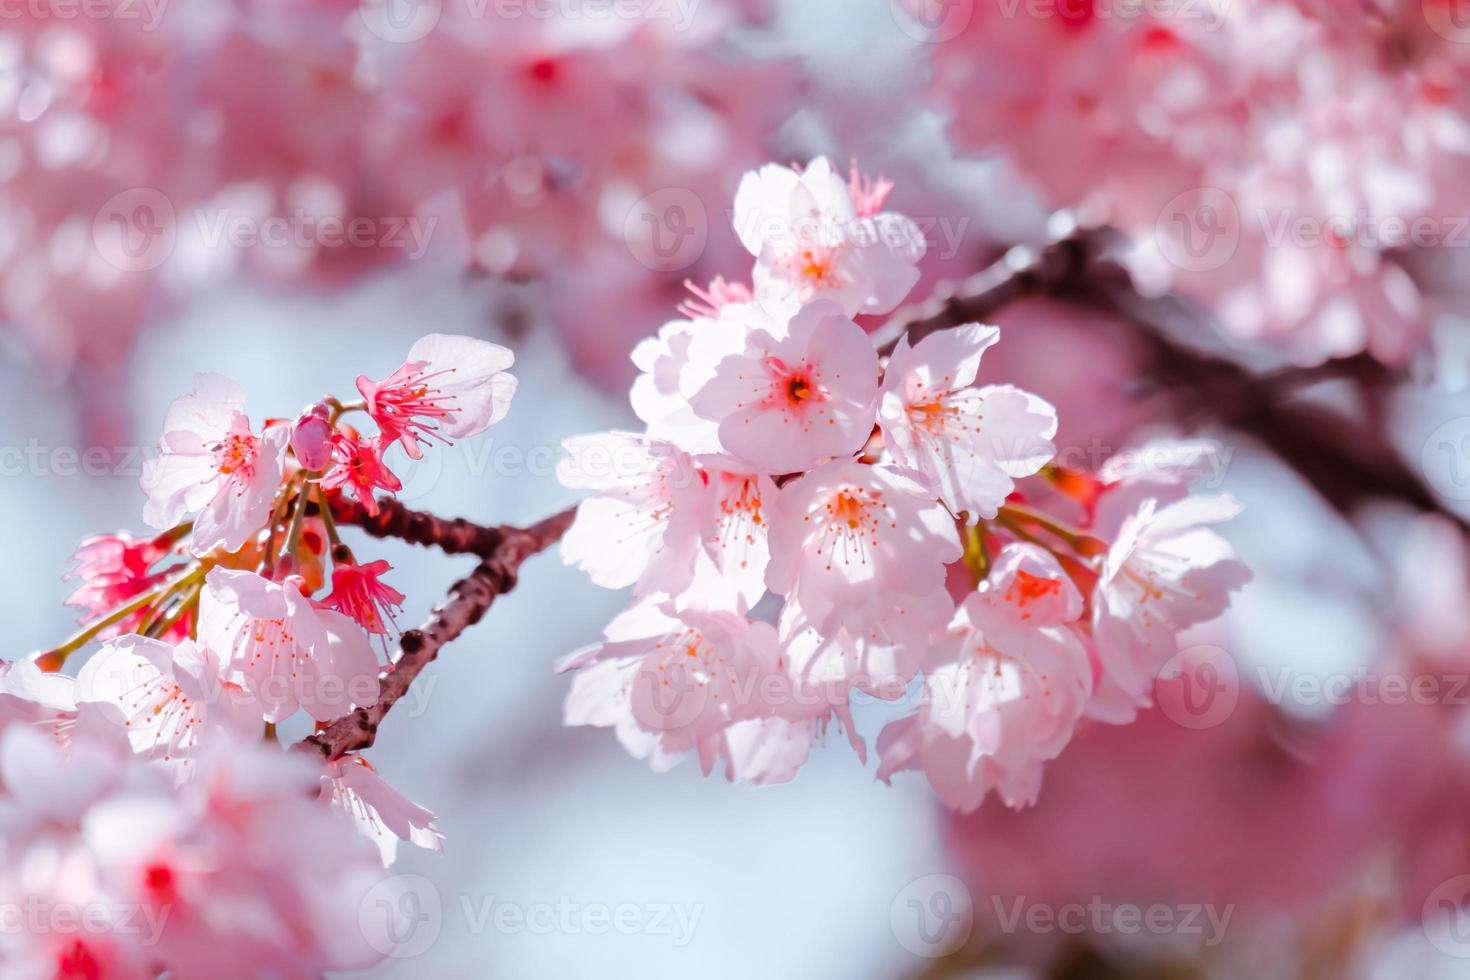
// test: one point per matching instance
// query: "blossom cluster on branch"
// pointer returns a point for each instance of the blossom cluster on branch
(803, 520)
(1278, 161)
(139, 788)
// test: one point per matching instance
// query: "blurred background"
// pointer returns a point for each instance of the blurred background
(291, 193)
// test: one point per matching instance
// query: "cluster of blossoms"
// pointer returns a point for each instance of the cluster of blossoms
(1278, 161)
(144, 150)
(875, 500)
(139, 789)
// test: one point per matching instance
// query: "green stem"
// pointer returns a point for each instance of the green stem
(58, 655)
(1082, 542)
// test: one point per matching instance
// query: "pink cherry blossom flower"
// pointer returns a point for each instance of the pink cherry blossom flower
(357, 592)
(969, 442)
(311, 437)
(1011, 694)
(38, 698)
(384, 815)
(736, 533)
(114, 568)
(675, 364)
(166, 697)
(786, 403)
(811, 242)
(642, 525)
(451, 387)
(257, 877)
(358, 468)
(709, 302)
(851, 542)
(288, 652)
(668, 681)
(214, 464)
(1165, 571)
(827, 668)
(868, 194)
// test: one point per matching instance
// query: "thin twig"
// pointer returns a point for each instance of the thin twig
(467, 602)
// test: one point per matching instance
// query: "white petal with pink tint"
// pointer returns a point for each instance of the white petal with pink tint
(642, 525)
(384, 815)
(850, 542)
(969, 442)
(784, 404)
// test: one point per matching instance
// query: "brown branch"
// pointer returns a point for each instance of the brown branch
(1346, 461)
(467, 602)
(455, 536)
(1022, 271)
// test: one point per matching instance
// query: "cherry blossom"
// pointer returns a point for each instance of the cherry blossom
(311, 437)
(384, 815)
(450, 387)
(289, 652)
(857, 541)
(358, 592)
(1013, 683)
(642, 526)
(39, 698)
(114, 568)
(258, 878)
(1165, 571)
(811, 241)
(969, 442)
(358, 467)
(670, 681)
(213, 464)
(166, 697)
(785, 403)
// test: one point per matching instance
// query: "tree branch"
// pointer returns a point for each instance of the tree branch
(455, 536)
(1346, 461)
(467, 602)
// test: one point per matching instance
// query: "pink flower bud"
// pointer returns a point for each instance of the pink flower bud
(311, 438)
